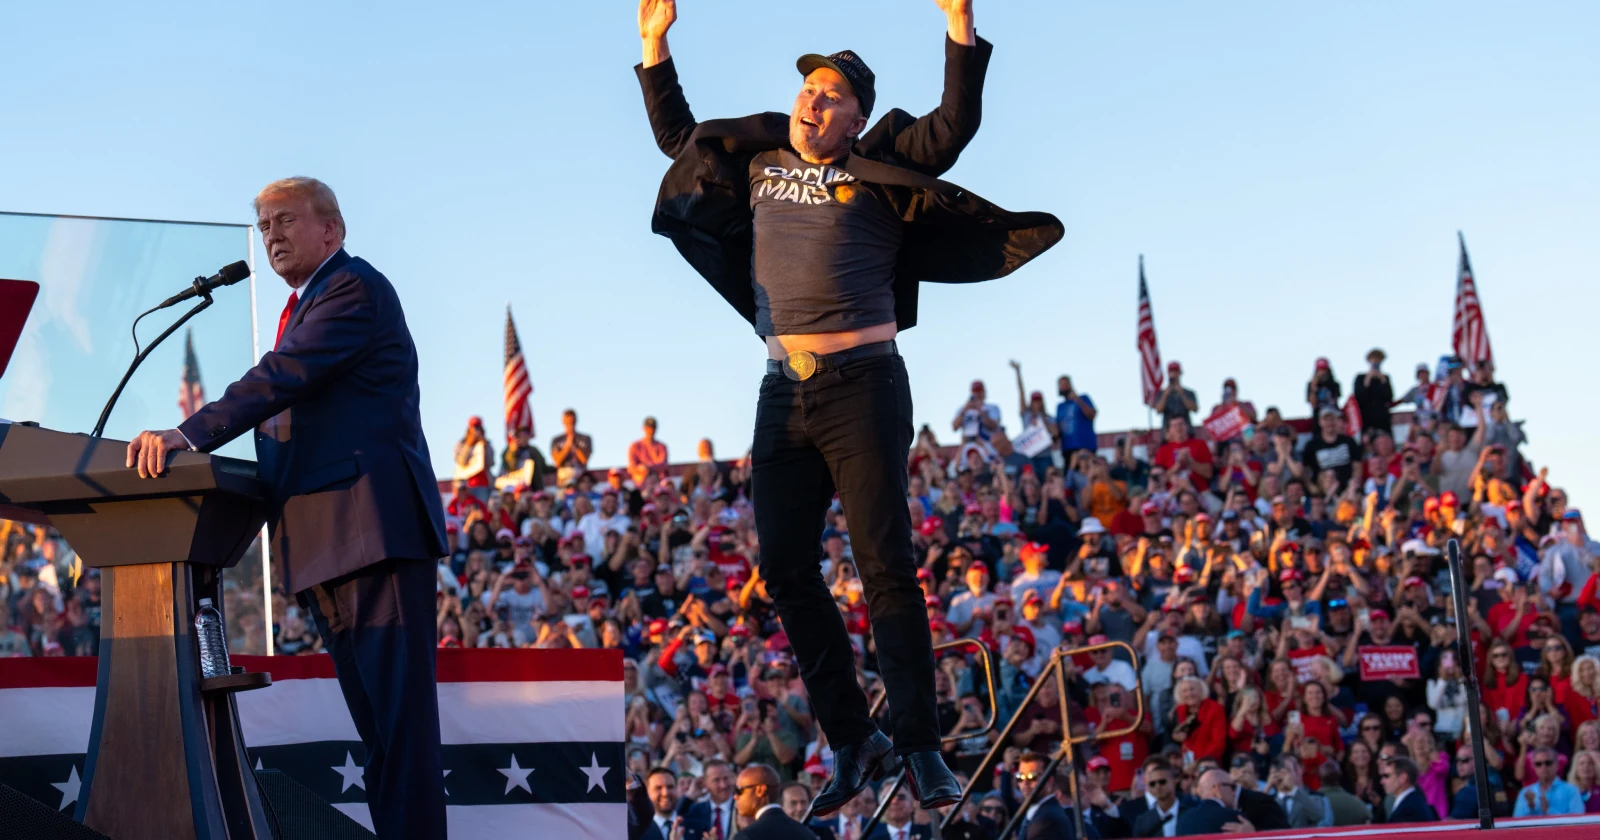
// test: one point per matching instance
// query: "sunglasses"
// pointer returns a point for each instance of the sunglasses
(1466, 759)
(1154, 782)
(1027, 777)
(1546, 763)
(739, 791)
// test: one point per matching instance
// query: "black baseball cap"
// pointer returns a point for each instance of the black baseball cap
(846, 63)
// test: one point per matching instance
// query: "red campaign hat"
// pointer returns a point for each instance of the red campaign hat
(1449, 499)
(1037, 395)
(1004, 600)
(475, 420)
(1098, 639)
(937, 624)
(1026, 635)
(1514, 504)
(1175, 366)
(718, 670)
(580, 591)
(1202, 517)
(1377, 614)
(1099, 762)
(924, 574)
(580, 560)
(1072, 627)
(452, 528)
(1431, 503)
(524, 542)
(931, 524)
(931, 601)
(974, 508)
(778, 641)
(1033, 549)
(977, 385)
(1322, 364)
(1415, 581)
(657, 627)
(739, 630)
(1171, 608)
(1288, 575)
(1032, 596)
(1185, 574)
(979, 565)
(1150, 509)
(1291, 545)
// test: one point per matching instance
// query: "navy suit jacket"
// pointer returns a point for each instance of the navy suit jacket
(699, 815)
(1050, 822)
(775, 825)
(1414, 808)
(338, 431)
(1207, 817)
(918, 832)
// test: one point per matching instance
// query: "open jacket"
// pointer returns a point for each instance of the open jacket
(951, 235)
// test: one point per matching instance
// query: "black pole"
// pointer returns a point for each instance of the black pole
(105, 413)
(1469, 671)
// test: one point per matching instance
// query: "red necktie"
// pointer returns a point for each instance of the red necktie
(716, 816)
(283, 320)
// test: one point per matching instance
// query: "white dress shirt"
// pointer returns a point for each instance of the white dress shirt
(1169, 828)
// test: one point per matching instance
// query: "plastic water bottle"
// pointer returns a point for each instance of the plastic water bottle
(213, 645)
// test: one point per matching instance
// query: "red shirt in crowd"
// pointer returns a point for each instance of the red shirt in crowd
(462, 505)
(1500, 616)
(1512, 698)
(1126, 752)
(1199, 453)
(1579, 708)
(1323, 728)
(1210, 736)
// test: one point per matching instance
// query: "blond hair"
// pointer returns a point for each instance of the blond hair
(323, 202)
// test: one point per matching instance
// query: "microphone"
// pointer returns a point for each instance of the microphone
(204, 286)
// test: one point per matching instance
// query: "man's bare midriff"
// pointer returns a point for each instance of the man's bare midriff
(780, 346)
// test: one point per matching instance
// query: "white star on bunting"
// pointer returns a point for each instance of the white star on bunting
(351, 773)
(516, 777)
(68, 788)
(596, 774)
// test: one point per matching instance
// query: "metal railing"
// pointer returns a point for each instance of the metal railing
(1053, 671)
(987, 660)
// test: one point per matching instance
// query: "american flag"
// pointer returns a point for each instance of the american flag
(1469, 336)
(191, 394)
(532, 739)
(1150, 373)
(518, 385)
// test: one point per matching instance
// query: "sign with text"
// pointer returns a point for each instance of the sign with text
(1227, 425)
(1382, 662)
(1303, 660)
(1033, 442)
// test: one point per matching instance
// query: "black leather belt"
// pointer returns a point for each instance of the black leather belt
(802, 365)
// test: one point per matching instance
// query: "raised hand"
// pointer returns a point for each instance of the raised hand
(959, 14)
(656, 17)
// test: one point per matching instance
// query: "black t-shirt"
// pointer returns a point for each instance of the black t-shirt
(825, 248)
(1339, 456)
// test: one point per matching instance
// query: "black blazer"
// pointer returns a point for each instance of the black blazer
(699, 816)
(1148, 822)
(951, 236)
(1206, 817)
(1050, 822)
(1414, 808)
(775, 825)
(918, 832)
(338, 427)
(1262, 810)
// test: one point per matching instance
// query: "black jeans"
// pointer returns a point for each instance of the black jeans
(377, 622)
(846, 430)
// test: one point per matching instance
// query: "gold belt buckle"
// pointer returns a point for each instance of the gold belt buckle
(800, 365)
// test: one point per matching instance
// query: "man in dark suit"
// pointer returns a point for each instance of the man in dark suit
(715, 815)
(1046, 819)
(352, 502)
(1399, 777)
(662, 787)
(756, 797)
(1161, 818)
(1261, 810)
(1210, 815)
(796, 801)
(819, 232)
(897, 824)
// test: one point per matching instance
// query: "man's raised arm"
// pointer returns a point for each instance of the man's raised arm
(933, 142)
(670, 117)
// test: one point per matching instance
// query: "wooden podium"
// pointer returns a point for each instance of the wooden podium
(166, 758)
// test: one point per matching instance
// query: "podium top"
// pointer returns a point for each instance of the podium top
(39, 467)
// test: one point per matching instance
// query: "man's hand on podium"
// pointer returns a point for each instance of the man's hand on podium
(149, 451)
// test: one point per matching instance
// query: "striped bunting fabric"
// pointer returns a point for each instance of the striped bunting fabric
(532, 738)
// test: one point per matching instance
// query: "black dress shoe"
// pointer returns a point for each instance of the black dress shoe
(932, 783)
(853, 767)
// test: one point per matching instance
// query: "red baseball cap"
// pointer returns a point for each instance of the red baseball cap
(924, 574)
(977, 385)
(1449, 499)
(1430, 503)
(931, 524)
(1415, 581)
(1033, 549)
(475, 420)
(657, 627)
(1099, 762)
(739, 630)
(1171, 608)
(1098, 639)
(1026, 635)
(1004, 600)
(978, 565)
(580, 591)
(1377, 614)
(1072, 627)
(1288, 575)
(1173, 365)
(718, 670)
(1036, 395)
(1032, 596)
(1149, 508)
(580, 560)
(937, 624)
(931, 601)
(1185, 574)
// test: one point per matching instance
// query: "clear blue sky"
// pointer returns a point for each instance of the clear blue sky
(1294, 174)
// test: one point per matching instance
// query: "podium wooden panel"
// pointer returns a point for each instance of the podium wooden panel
(166, 759)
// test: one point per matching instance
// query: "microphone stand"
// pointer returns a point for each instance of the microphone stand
(105, 413)
(1469, 672)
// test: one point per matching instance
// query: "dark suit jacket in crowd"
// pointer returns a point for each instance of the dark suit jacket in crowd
(338, 431)
(918, 832)
(1262, 810)
(699, 816)
(1414, 808)
(951, 235)
(1050, 822)
(1148, 822)
(1206, 817)
(775, 825)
